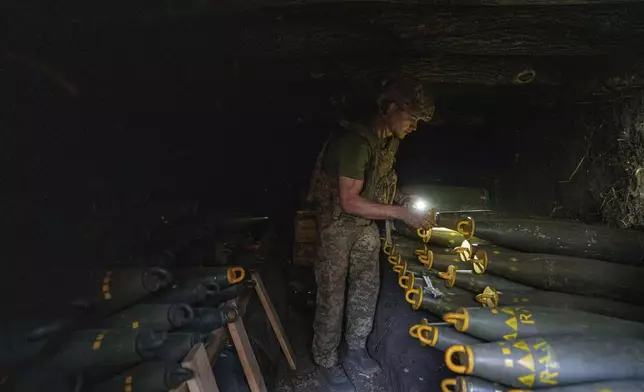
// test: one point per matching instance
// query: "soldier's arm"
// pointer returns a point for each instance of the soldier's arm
(354, 204)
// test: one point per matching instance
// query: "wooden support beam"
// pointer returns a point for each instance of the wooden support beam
(220, 336)
(274, 319)
(197, 361)
(247, 356)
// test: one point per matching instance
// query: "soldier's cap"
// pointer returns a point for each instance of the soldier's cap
(410, 96)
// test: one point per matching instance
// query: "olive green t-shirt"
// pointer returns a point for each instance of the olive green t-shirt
(348, 155)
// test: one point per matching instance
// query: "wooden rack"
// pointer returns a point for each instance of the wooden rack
(201, 358)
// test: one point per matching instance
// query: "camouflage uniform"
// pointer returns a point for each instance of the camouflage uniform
(348, 252)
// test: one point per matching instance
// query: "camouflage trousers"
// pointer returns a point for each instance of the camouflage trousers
(347, 256)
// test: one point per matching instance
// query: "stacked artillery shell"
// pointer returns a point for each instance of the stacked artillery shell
(178, 344)
(470, 384)
(441, 337)
(551, 361)
(187, 292)
(103, 352)
(553, 299)
(450, 238)
(509, 323)
(440, 236)
(602, 386)
(106, 291)
(208, 320)
(421, 298)
(564, 238)
(567, 274)
(22, 341)
(477, 283)
(148, 377)
(158, 317)
(40, 378)
(220, 277)
(224, 295)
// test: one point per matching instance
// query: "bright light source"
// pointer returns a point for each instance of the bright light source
(421, 205)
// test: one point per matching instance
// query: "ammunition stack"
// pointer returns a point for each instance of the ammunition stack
(517, 321)
(132, 326)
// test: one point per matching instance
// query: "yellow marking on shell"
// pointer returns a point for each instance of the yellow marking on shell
(521, 345)
(135, 325)
(514, 259)
(545, 377)
(506, 351)
(527, 362)
(456, 259)
(496, 252)
(528, 380)
(509, 363)
(96, 345)
(540, 345)
(514, 269)
(526, 318)
(494, 310)
(512, 323)
(509, 311)
(510, 336)
(452, 234)
(107, 296)
(452, 241)
(546, 360)
(605, 390)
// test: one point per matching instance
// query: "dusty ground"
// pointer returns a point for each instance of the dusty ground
(406, 366)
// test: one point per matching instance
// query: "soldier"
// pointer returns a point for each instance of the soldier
(354, 184)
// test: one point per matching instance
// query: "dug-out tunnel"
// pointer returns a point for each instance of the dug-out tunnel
(184, 136)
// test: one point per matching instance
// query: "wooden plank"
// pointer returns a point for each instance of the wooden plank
(274, 319)
(220, 336)
(204, 379)
(247, 357)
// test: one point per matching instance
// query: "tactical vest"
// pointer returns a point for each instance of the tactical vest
(380, 178)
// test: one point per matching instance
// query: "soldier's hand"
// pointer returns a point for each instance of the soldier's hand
(415, 219)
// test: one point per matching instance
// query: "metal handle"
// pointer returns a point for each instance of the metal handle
(448, 385)
(420, 252)
(388, 248)
(466, 228)
(460, 321)
(467, 359)
(394, 259)
(403, 281)
(424, 234)
(414, 291)
(427, 259)
(480, 262)
(235, 274)
(489, 298)
(449, 276)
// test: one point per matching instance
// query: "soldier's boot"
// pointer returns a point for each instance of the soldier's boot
(360, 359)
(336, 379)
